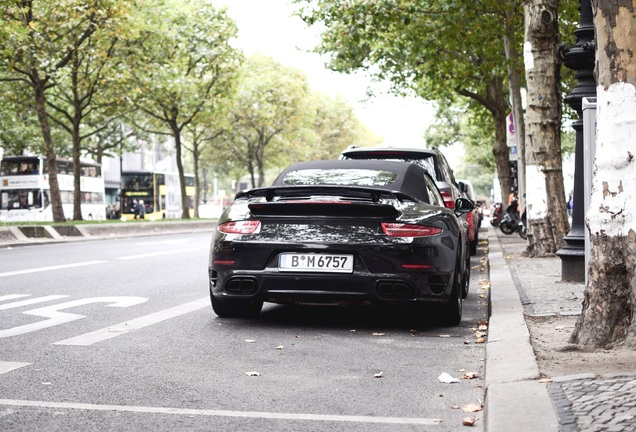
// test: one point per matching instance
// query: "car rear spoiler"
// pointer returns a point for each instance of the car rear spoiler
(303, 201)
(346, 192)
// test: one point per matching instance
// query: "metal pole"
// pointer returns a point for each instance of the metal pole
(581, 59)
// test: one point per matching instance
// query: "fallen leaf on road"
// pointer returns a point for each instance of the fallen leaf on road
(377, 334)
(472, 408)
(468, 421)
(447, 379)
(280, 347)
(470, 375)
(378, 375)
(480, 341)
(253, 373)
(483, 327)
(479, 334)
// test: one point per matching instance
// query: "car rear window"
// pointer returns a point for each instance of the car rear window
(340, 177)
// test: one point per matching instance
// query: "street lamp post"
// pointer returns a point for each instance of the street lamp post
(581, 59)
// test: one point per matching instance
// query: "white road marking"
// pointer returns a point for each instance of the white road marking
(222, 413)
(13, 296)
(152, 254)
(30, 301)
(135, 324)
(58, 267)
(56, 318)
(9, 366)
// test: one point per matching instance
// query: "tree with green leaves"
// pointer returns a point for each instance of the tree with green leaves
(39, 39)
(267, 111)
(88, 97)
(181, 63)
(434, 47)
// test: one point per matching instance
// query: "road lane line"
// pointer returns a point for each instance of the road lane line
(9, 366)
(153, 254)
(58, 267)
(31, 301)
(135, 324)
(223, 413)
(13, 296)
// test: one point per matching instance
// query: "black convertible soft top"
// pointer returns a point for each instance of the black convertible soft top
(409, 177)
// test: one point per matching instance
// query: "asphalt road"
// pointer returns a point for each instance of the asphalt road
(119, 335)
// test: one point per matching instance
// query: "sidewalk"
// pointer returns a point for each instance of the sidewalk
(520, 396)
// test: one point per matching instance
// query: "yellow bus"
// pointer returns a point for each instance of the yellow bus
(158, 192)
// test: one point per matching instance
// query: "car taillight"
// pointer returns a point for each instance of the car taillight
(448, 200)
(409, 230)
(469, 217)
(239, 227)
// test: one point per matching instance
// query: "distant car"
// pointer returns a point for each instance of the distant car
(341, 232)
(435, 163)
(473, 218)
(432, 160)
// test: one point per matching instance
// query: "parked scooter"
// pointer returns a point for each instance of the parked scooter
(496, 215)
(511, 221)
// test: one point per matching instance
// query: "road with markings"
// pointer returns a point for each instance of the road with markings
(119, 334)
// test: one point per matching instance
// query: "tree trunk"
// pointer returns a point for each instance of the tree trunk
(514, 82)
(546, 206)
(499, 110)
(197, 182)
(77, 190)
(185, 201)
(40, 108)
(609, 307)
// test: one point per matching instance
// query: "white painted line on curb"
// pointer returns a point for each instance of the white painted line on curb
(9, 366)
(135, 324)
(221, 413)
(152, 254)
(58, 267)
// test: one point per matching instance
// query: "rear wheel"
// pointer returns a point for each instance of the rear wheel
(506, 227)
(235, 308)
(451, 311)
(466, 279)
(472, 246)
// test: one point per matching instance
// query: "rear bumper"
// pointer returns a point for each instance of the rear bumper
(357, 288)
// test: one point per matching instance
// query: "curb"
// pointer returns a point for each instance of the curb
(12, 236)
(515, 400)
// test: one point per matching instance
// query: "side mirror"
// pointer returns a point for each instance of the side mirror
(462, 187)
(463, 205)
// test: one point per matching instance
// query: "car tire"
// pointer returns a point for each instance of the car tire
(451, 311)
(466, 279)
(235, 308)
(472, 246)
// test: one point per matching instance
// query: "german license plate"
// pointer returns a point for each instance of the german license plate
(314, 262)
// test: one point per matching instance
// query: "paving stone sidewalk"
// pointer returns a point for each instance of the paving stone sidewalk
(584, 402)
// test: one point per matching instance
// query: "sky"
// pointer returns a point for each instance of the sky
(268, 27)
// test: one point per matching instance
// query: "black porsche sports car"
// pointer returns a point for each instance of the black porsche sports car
(341, 232)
